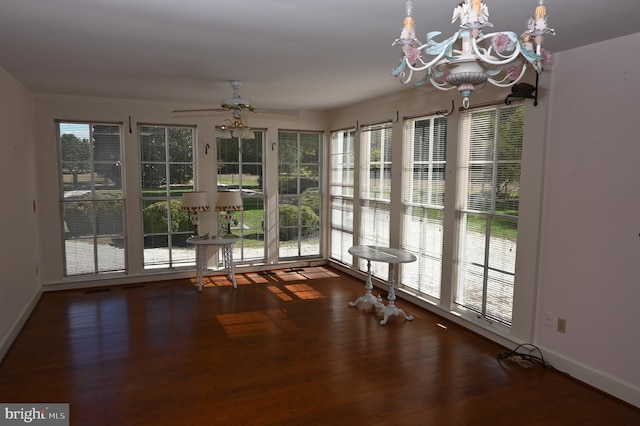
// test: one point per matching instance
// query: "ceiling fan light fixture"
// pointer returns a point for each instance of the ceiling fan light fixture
(237, 128)
(224, 132)
(244, 133)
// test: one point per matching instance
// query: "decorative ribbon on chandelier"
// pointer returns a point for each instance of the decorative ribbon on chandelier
(471, 58)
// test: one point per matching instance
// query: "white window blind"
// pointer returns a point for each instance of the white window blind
(375, 192)
(341, 190)
(423, 202)
(489, 180)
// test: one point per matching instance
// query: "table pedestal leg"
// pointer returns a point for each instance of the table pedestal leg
(391, 308)
(201, 264)
(368, 296)
(227, 259)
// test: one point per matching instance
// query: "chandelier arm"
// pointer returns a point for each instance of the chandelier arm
(400, 72)
(538, 67)
(510, 57)
(408, 79)
(418, 68)
(488, 59)
(488, 52)
(426, 65)
(511, 83)
(483, 37)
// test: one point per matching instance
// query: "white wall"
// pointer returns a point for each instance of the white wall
(19, 282)
(590, 241)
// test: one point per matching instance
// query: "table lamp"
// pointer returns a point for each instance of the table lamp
(194, 203)
(229, 202)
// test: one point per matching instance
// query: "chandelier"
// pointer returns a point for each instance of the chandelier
(469, 58)
(235, 128)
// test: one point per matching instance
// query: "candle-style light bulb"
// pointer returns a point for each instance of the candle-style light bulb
(408, 31)
(541, 10)
(409, 8)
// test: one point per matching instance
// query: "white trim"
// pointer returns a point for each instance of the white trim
(607, 384)
(599, 380)
(17, 326)
(91, 281)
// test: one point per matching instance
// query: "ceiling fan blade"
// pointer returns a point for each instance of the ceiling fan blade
(199, 110)
(277, 111)
(238, 105)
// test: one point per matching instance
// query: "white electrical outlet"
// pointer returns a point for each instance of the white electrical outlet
(548, 319)
(562, 325)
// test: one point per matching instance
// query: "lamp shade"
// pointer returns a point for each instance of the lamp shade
(243, 133)
(225, 133)
(195, 201)
(229, 201)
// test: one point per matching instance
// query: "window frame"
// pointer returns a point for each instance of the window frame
(118, 236)
(245, 247)
(172, 196)
(425, 275)
(303, 250)
(471, 162)
(341, 194)
(375, 206)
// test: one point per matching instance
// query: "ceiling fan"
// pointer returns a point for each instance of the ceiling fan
(238, 104)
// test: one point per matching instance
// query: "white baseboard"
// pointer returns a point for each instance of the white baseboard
(84, 282)
(16, 327)
(609, 385)
(597, 379)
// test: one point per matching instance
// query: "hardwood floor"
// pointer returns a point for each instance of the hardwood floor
(281, 349)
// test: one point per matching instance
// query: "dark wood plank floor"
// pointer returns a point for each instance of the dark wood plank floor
(281, 349)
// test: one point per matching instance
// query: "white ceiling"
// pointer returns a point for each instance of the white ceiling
(296, 54)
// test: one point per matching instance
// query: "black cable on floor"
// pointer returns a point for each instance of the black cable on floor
(523, 359)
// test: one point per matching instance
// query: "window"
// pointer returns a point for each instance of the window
(299, 194)
(341, 193)
(375, 192)
(91, 197)
(240, 168)
(166, 155)
(489, 175)
(425, 142)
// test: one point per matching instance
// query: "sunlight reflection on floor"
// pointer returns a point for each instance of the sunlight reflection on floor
(247, 324)
(279, 275)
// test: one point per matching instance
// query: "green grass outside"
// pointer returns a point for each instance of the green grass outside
(254, 215)
(499, 227)
(248, 181)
